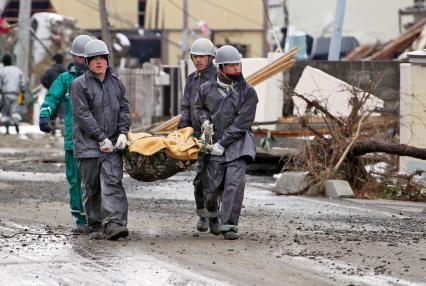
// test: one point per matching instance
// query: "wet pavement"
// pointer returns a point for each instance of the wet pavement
(285, 240)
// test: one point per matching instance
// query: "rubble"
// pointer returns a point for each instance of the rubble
(338, 189)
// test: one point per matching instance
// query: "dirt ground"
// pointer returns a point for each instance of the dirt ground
(284, 240)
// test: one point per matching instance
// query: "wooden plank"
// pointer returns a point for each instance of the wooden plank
(362, 52)
(290, 126)
(319, 119)
(400, 43)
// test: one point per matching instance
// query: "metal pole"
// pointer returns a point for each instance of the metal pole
(336, 40)
(185, 29)
(106, 33)
(23, 53)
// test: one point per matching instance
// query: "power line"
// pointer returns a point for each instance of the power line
(181, 8)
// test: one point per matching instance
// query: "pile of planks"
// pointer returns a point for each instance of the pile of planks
(283, 63)
(389, 50)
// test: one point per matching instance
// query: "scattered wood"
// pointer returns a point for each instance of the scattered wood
(295, 126)
(361, 52)
(281, 64)
(401, 43)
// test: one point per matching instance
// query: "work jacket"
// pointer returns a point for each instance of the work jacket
(51, 74)
(232, 111)
(194, 81)
(100, 109)
(58, 92)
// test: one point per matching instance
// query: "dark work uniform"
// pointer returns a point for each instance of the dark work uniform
(101, 110)
(231, 109)
(188, 118)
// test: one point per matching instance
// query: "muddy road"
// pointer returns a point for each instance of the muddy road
(284, 240)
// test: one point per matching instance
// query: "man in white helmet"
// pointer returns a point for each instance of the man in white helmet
(101, 124)
(228, 107)
(59, 93)
(202, 54)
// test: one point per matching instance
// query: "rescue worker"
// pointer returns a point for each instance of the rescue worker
(226, 107)
(12, 83)
(56, 95)
(101, 124)
(202, 54)
(47, 79)
(54, 71)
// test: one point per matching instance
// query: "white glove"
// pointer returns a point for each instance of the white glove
(207, 128)
(106, 146)
(121, 142)
(217, 149)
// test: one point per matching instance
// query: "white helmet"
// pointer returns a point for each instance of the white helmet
(79, 45)
(227, 55)
(96, 48)
(203, 47)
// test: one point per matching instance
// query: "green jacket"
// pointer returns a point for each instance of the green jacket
(59, 91)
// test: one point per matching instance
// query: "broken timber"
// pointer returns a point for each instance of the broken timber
(296, 126)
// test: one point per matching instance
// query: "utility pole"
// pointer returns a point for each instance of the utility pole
(286, 24)
(106, 33)
(23, 53)
(336, 39)
(185, 32)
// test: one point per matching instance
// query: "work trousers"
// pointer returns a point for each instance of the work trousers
(229, 177)
(104, 197)
(74, 187)
(10, 112)
(198, 187)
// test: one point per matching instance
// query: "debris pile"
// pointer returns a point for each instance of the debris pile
(344, 146)
(412, 39)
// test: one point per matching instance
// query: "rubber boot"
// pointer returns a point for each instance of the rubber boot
(114, 231)
(17, 128)
(95, 232)
(203, 224)
(231, 235)
(214, 225)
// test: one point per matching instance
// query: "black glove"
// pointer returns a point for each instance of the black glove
(44, 124)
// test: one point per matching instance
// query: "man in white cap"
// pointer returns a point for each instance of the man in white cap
(101, 124)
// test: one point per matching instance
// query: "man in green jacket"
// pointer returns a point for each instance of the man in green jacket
(58, 92)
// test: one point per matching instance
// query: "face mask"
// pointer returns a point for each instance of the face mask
(235, 76)
(80, 66)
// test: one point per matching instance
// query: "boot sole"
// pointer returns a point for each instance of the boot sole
(231, 237)
(202, 229)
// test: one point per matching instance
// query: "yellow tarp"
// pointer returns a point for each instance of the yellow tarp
(179, 144)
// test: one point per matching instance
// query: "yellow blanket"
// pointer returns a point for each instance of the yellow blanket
(178, 144)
